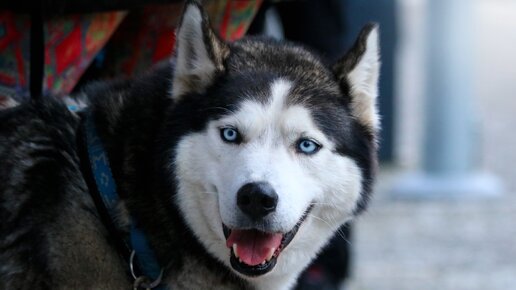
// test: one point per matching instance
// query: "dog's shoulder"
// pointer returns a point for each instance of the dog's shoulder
(118, 98)
(35, 140)
(37, 149)
(49, 226)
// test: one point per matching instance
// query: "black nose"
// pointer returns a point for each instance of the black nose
(257, 199)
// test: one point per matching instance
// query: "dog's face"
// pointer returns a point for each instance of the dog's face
(278, 150)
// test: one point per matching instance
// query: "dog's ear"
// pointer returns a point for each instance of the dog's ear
(358, 73)
(200, 53)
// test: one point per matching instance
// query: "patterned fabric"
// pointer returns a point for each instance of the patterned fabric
(70, 44)
(232, 18)
(143, 38)
(14, 54)
(148, 36)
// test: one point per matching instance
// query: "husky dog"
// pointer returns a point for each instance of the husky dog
(238, 160)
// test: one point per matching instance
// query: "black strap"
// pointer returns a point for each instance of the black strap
(37, 51)
(115, 236)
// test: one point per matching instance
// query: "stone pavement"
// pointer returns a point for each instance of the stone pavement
(445, 245)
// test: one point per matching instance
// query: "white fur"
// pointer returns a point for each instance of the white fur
(364, 84)
(210, 172)
(8, 102)
(193, 60)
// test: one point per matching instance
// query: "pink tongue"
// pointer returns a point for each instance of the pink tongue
(253, 246)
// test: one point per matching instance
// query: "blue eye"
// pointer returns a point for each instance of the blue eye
(307, 146)
(230, 135)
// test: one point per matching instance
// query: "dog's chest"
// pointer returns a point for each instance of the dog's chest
(196, 275)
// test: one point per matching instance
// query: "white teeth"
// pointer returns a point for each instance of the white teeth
(235, 250)
(271, 253)
(267, 259)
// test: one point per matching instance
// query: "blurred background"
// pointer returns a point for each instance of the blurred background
(452, 236)
(444, 212)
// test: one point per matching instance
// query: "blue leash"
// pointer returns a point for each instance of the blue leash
(141, 253)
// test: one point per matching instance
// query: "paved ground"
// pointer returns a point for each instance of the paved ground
(418, 245)
(453, 244)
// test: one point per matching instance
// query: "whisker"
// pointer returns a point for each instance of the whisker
(210, 192)
(339, 231)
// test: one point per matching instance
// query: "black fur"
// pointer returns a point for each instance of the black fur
(42, 196)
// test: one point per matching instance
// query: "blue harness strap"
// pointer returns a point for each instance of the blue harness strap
(100, 167)
(141, 253)
(145, 255)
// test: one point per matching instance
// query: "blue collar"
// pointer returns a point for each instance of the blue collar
(143, 264)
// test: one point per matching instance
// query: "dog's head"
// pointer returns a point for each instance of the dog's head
(275, 151)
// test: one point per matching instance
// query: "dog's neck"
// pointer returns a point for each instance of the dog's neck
(132, 142)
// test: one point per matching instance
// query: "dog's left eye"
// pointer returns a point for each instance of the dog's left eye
(307, 146)
(230, 135)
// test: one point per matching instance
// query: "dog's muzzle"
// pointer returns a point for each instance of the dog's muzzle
(253, 251)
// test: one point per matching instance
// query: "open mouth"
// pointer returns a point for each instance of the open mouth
(254, 252)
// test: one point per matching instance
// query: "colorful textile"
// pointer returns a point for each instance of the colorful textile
(143, 38)
(14, 54)
(71, 42)
(232, 18)
(148, 36)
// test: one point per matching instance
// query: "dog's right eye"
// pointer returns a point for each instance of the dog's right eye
(230, 135)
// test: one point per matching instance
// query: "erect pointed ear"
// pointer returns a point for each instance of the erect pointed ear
(358, 73)
(200, 53)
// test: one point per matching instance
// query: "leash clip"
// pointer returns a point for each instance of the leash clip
(143, 281)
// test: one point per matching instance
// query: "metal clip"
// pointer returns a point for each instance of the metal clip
(143, 281)
(139, 283)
